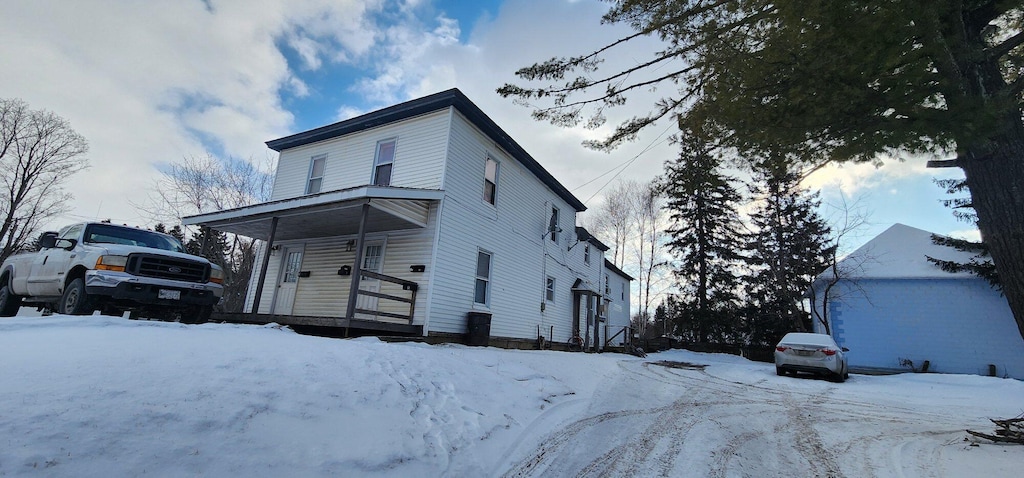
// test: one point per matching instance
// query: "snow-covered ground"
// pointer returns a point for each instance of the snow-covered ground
(106, 396)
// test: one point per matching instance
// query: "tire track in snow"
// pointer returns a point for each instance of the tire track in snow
(721, 427)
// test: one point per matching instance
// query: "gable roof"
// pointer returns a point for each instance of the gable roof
(900, 252)
(450, 98)
(608, 265)
(585, 236)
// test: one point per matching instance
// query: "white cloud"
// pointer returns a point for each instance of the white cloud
(968, 234)
(853, 178)
(150, 82)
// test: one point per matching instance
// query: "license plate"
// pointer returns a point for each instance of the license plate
(805, 353)
(168, 294)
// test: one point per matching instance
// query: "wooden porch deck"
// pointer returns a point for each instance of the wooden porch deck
(371, 326)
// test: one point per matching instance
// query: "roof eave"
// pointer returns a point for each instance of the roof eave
(427, 104)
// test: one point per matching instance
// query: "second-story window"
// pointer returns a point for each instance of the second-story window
(491, 181)
(316, 173)
(553, 228)
(383, 162)
(586, 254)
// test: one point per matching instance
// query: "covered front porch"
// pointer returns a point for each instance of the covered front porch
(355, 258)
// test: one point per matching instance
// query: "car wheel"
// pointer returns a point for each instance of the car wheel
(76, 301)
(9, 303)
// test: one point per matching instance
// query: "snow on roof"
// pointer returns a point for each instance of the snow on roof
(900, 252)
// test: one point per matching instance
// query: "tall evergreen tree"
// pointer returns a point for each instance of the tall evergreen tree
(826, 80)
(705, 238)
(787, 249)
(963, 209)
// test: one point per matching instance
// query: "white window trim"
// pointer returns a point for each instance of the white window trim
(376, 156)
(553, 211)
(497, 174)
(549, 289)
(309, 174)
(586, 254)
(490, 273)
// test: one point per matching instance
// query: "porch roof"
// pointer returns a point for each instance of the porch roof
(333, 213)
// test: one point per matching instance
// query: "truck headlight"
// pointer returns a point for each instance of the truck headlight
(111, 263)
(217, 275)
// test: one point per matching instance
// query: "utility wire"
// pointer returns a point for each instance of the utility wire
(622, 167)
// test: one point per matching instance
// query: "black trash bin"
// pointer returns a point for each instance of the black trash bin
(478, 329)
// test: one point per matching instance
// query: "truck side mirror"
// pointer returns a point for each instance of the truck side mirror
(47, 240)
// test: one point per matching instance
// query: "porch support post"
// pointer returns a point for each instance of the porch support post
(263, 267)
(350, 313)
(587, 345)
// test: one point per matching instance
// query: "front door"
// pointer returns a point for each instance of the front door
(288, 279)
(373, 261)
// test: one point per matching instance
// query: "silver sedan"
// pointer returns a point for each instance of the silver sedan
(814, 353)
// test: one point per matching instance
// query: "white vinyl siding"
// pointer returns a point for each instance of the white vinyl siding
(350, 159)
(514, 229)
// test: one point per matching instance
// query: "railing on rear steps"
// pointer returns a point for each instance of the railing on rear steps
(410, 286)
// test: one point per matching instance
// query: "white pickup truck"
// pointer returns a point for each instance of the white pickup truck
(99, 266)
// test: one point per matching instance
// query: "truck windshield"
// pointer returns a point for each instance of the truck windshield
(105, 233)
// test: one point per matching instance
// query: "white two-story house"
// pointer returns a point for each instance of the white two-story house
(433, 215)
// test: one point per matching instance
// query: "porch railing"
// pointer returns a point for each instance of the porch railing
(410, 286)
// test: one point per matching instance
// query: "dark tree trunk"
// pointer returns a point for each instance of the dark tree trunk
(996, 181)
(990, 145)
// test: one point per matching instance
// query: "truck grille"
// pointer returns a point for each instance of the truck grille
(164, 267)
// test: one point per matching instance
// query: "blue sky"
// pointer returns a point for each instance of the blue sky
(149, 83)
(331, 86)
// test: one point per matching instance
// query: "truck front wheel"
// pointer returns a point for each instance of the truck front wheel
(197, 315)
(75, 300)
(9, 303)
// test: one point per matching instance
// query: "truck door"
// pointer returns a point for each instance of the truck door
(50, 265)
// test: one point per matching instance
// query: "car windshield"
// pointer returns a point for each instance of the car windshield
(110, 234)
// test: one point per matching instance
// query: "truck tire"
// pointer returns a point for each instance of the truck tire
(9, 303)
(76, 301)
(199, 314)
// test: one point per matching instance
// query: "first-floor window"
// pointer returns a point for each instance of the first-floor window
(550, 292)
(291, 266)
(482, 292)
